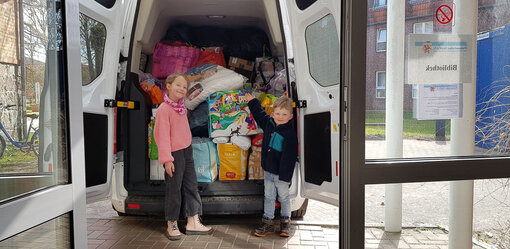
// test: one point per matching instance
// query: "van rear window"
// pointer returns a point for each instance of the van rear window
(303, 4)
(106, 3)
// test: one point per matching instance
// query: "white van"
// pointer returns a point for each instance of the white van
(303, 33)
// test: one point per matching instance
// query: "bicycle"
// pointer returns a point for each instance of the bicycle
(24, 145)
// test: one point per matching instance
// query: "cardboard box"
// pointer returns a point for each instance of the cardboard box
(244, 67)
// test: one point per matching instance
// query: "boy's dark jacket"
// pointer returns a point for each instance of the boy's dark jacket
(279, 144)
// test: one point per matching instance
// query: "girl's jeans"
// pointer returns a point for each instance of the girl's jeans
(182, 186)
(272, 186)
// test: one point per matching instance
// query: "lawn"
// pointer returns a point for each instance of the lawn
(413, 128)
(16, 161)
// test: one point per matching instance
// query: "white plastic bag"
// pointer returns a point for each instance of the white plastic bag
(244, 142)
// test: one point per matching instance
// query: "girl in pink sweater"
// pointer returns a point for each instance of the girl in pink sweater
(173, 138)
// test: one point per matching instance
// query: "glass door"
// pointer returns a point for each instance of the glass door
(430, 87)
(42, 186)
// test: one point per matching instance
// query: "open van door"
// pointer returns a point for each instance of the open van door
(312, 31)
(101, 38)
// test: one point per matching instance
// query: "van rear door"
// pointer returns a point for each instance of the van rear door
(101, 25)
(312, 37)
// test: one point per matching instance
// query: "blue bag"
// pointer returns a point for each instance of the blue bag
(205, 159)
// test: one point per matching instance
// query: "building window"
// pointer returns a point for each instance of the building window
(381, 40)
(380, 85)
(379, 4)
(414, 92)
(423, 28)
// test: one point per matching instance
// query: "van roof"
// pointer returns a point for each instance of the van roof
(155, 16)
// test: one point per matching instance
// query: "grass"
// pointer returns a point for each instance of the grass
(17, 161)
(413, 128)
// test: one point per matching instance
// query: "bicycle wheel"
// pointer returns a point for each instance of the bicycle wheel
(2, 146)
(34, 143)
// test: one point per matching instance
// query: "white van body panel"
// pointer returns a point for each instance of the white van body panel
(319, 99)
(104, 86)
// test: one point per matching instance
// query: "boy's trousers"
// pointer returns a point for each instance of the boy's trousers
(182, 187)
(274, 187)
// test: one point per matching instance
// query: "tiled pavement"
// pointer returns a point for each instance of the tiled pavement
(138, 232)
(106, 230)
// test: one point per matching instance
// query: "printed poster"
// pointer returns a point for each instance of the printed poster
(439, 102)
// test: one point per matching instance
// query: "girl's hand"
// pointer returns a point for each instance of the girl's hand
(169, 168)
(249, 97)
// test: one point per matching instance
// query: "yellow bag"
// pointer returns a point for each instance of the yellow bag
(255, 171)
(267, 101)
(232, 162)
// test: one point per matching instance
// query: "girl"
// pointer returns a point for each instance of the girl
(173, 138)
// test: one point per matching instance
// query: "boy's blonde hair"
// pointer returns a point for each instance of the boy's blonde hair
(283, 102)
(170, 79)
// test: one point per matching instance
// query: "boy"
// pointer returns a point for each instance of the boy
(279, 155)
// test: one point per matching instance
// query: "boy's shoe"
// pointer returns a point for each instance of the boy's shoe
(285, 227)
(265, 228)
(195, 227)
(172, 232)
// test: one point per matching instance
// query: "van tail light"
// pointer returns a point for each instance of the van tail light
(133, 206)
(336, 168)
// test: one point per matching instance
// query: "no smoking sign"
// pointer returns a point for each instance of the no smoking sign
(444, 14)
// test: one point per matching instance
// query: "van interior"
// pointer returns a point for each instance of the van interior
(210, 22)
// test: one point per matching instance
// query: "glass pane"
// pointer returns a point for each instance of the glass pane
(323, 50)
(437, 113)
(33, 141)
(425, 211)
(92, 39)
(55, 233)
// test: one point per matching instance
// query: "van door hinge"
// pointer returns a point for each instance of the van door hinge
(301, 104)
(111, 103)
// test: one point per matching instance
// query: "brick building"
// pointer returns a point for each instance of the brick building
(419, 19)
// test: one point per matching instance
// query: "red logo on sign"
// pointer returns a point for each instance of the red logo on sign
(444, 14)
(230, 175)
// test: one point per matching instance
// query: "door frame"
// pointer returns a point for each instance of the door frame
(43, 205)
(358, 172)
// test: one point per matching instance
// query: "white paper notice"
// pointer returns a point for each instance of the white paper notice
(440, 59)
(439, 102)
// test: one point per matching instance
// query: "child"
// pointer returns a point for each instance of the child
(173, 138)
(279, 155)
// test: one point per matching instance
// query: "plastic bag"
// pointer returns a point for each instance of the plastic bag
(267, 102)
(153, 148)
(221, 140)
(154, 92)
(212, 55)
(244, 142)
(255, 171)
(169, 59)
(204, 157)
(233, 162)
(278, 84)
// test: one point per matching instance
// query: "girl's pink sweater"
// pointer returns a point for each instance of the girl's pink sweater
(171, 132)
